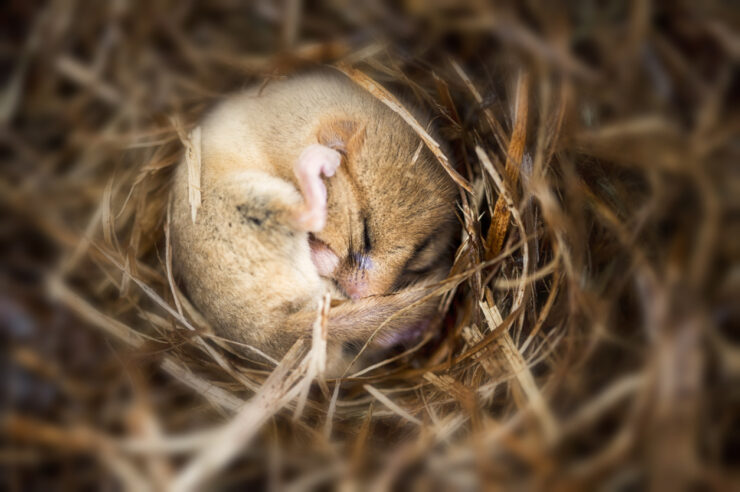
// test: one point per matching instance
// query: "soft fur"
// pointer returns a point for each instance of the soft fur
(248, 267)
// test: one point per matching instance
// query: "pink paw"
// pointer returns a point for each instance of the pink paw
(314, 161)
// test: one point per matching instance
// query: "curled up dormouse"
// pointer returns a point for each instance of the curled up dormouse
(312, 186)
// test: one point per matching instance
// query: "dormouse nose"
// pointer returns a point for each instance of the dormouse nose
(355, 276)
(355, 289)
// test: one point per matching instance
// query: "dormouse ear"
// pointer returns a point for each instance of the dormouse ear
(342, 135)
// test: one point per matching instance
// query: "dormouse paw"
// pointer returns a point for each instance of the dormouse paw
(314, 161)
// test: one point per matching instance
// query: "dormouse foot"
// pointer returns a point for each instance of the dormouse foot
(314, 161)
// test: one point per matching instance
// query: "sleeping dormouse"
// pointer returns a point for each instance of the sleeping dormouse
(312, 186)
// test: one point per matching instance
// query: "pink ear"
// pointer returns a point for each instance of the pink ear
(343, 135)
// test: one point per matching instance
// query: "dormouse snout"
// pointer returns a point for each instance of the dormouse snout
(356, 276)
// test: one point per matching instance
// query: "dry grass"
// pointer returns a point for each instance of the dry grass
(589, 322)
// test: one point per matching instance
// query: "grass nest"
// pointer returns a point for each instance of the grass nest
(587, 336)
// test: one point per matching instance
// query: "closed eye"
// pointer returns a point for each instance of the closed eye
(367, 243)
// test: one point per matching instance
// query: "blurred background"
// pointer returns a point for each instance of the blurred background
(604, 357)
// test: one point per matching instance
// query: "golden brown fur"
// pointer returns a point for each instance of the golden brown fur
(390, 217)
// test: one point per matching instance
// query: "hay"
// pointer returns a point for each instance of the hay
(586, 328)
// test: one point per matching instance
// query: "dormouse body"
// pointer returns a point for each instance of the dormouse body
(310, 185)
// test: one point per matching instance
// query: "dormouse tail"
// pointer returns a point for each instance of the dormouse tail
(379, 319)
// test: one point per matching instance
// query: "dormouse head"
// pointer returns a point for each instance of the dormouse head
(391, 217)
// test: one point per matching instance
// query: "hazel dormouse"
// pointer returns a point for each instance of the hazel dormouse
(309, 186)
